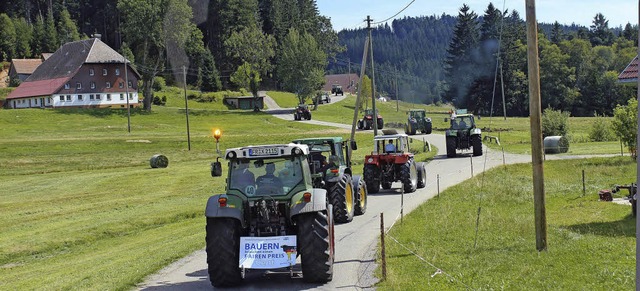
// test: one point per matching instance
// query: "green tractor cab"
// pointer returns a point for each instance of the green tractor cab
(463, 135)
(417, 120)
(330, 166)
(269, 215)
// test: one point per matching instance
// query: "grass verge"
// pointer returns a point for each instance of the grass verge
(591, 244)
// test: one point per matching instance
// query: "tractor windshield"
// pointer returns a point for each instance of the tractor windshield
(417, 114)
(462, 122)
(265, 177)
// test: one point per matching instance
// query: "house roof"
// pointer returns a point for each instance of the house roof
(45, 56)
(25, 66)
(344, 80)
(38, 88)
(630, 73)
(63, 65)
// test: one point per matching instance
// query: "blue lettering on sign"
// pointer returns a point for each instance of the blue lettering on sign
(262, 246)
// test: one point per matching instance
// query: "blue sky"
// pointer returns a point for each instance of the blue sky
(350, 14)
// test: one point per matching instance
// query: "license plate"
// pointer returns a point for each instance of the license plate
(263, 152)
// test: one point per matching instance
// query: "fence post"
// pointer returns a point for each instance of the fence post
(471, 158)
(584, 189)
(438, 183)
(382, 248)
(402, 204)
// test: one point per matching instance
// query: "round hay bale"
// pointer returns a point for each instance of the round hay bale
(159, 161)
(555, 144)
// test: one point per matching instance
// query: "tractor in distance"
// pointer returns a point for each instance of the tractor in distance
(392, 161)
(331, 169)
(336, 89)
(417, 120)
(302, 112)
(367, 121)
(265, 220)
(463, 134)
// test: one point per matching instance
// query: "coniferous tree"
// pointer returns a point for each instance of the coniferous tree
(50, 41)
(483, 90)
(23, 38)
(38, 35)
(67, 29)
(557, 35)
(600, 34)
(459, 71)
(7, 38)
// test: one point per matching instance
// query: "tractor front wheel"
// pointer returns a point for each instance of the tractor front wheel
(380, 123)
(223, 251)
(372, 178)
(422, 175)
(428, 129)
(341, 196)
(451, 146)
(409, 177)
(476, 141)
(315, 243)
(361, 197)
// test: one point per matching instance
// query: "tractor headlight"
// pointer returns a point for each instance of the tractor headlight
(296, 151)
(231, 155)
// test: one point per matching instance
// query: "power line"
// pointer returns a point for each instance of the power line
(396, 13)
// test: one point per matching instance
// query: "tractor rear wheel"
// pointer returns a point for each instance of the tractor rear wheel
(451, 146)
(380, 123)
(422, 175)
(223, 251)
(477, 145)
(367, 125)
(372, 178)
(316, 244)
(361, 195)
(409, 177)
(360, 124)
(342, 197)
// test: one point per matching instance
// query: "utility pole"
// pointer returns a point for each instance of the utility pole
(363, 67)
(373, 79)
(536, 127)
(126, 85)
(349, 74)
(397, 96)
(186, 105)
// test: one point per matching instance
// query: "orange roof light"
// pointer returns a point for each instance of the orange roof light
(222, 201)
(307, 197)
(217, 134)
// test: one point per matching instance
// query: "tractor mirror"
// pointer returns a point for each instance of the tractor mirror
(354, 146)
(216, 169)
(446, 119)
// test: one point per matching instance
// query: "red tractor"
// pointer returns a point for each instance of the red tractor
(367, 121)
(391, 161)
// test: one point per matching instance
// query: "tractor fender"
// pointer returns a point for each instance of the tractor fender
(233, 210)
(368, 160)
(318, 202)
(476, 131)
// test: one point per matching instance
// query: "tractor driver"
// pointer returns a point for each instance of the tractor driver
(390, 148)
(269, 181)
(241, 177)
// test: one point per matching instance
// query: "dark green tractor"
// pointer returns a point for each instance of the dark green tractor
(330, 167)
(417, 121)
(269, 215)
(463, 135)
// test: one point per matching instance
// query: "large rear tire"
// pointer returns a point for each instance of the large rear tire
(361, 195)
(422, 175)
(409, 177)
(342, 198)
(380, 123)
(360, 124)
(223, 251)
(372, 178)
(451, 146)
(476, 141)
(315, 244)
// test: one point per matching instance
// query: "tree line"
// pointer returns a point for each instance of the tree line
(453, 59)
(220, 44)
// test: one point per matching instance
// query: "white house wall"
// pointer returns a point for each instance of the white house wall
(72, 100)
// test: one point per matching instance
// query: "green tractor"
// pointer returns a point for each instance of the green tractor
(417, 121)
(269, 215)
(463, 135)
(330, 167)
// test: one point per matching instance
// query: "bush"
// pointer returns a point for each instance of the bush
(159, 83)
(600, 130)
(554, 122)
(159, 101)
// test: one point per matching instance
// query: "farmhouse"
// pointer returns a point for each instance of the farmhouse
(21, 69)
(85, 73)
(630, 74)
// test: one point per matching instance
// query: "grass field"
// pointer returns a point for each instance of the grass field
(82, 209)
(591, 244)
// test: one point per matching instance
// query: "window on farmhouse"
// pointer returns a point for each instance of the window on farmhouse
(108, 97)
(91, 97)
(121, 96)
(130, 84)
(78, 85)
(79, 97)
(117, 72)
(67, 86)
(121, 85)
(93, 85)
(68, 97)
(91, 72)
(61, 98)
(104, 72)
(97, 96)
(108, 84)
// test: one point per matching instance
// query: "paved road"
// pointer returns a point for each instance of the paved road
(355, 241)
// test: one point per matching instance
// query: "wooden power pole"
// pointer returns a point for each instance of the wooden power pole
(536, 127)
(373, 79)
(638, 168)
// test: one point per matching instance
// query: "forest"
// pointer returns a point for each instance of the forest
(469, 60)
